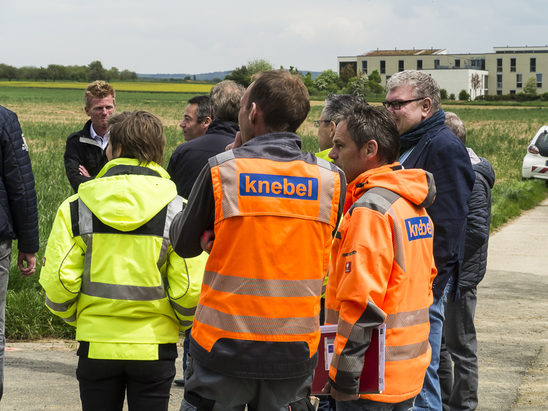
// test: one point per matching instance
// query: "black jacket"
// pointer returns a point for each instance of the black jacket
(189, 158)
(84, 150)
(477, 224)
(18, 208)
(440, 152)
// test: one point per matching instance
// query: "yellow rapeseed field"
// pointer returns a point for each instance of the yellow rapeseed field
(198, 88)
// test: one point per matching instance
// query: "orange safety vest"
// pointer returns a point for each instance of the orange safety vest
(258, 311)
(382, 269)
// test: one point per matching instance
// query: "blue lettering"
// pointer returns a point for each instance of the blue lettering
(418, 228)
(272, 185)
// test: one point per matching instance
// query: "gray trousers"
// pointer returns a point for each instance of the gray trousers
(459, 383)
(206, 390)
(5, 258)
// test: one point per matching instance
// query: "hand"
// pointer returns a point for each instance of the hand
(237, 142)
(206, 242)
(337, 395)
(83, 171)
(30, 260)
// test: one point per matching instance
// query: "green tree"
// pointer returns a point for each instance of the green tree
(56, 72)
(113, 74)
(8, 72)
(347, 72)
(374, 82)
(329, 81)
(443, 94)
(96, 71)
(358, 85)
(258, 65)
(464, 96)
(530, 87)
(240, 75)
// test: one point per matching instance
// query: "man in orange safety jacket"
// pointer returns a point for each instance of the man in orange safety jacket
(273, 210)
(382, 266)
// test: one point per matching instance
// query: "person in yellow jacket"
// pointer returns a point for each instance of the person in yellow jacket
(382, 266)
(274, 210)
(110, 271)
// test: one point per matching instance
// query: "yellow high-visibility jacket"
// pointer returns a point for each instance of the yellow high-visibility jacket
(109, 268)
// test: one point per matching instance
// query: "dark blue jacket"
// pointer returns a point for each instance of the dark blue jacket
(440, 152)
(476, 239)
(18, 209)
(189, 158)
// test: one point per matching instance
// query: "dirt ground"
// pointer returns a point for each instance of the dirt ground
(511, 322)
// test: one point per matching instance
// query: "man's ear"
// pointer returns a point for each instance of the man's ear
(426, 106)
(369, 150)
(206, 121)
(332, 128)
(253, 111)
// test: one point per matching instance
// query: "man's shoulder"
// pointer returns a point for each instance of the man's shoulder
(83, 132)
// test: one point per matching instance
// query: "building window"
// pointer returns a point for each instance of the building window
(383, 66)
(364, 66)
(388, 77)
(512, 92)
(519, 80)
(457, 63)
(499, 65)
(419, 64)
(539, 80)
(499, 81)
(436, 63)
(513, 64)
(400, 65)
(533, 64)
(499, 92)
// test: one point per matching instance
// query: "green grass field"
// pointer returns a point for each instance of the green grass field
(49, 115)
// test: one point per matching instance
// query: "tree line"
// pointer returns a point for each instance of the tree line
(54, 72)
(327, 82)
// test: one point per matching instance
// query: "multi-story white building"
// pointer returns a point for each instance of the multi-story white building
(505, 71)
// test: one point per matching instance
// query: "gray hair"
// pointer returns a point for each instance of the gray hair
(456, 125)
(225, 100)
(423, 85)
(337, 106)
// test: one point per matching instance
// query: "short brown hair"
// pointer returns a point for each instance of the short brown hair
(139, 135)
(367, 122)
(98, 89)
(283, 99)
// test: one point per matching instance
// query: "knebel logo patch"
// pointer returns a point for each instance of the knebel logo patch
(273, 185)
(418, 227)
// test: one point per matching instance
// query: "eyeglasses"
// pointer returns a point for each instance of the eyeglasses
(318, 122)
(396, 105)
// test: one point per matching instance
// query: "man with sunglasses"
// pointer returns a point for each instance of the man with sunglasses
(413, 99)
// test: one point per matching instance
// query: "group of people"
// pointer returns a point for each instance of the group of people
(246, 242)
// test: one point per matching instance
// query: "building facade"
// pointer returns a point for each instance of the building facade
(505, 71)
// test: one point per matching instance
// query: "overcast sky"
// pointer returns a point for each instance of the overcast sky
(182, 36)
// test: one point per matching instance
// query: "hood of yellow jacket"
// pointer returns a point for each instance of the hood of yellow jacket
(126, 201)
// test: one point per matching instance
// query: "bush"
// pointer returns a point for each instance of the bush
(443, 94)
(464, 96)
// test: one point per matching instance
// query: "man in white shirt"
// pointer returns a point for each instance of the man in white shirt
(84, 152)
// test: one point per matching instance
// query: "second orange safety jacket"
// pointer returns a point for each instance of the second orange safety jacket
(275, 212)
(382, 268)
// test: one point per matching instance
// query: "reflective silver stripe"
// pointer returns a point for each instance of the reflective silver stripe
(70, 319)
(347, 363)
(173, 208)
(331, 316)
(85, 218)
(257, 325)
(399, 255)
(327, 191)
(353, 333)
(229, 182)
(406, 352)
(61, 307)
(407, 319)
(225, 156)
(105, 290)
(187, 312)
(185, 323)
(262, 287)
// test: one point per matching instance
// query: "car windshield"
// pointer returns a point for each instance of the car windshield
(542, 144)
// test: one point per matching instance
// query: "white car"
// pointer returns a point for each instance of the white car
(535, 162)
